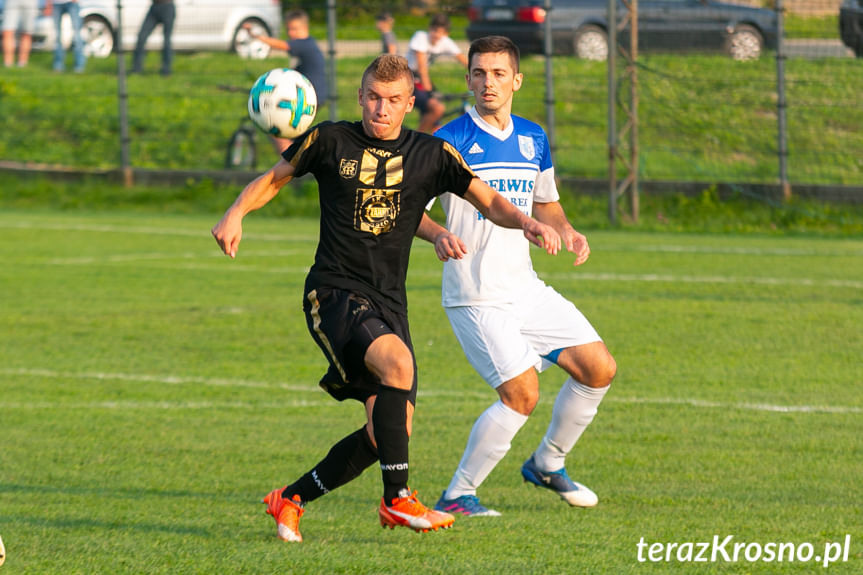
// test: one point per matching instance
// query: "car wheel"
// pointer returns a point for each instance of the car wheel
(745, 43)
(590, 43)
(245, 45)
(98, 37)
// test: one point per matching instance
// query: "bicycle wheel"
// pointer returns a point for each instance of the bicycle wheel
(241, 150)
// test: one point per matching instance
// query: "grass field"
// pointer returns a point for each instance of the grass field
(152, 390)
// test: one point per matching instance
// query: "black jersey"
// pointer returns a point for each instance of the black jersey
(372, 195)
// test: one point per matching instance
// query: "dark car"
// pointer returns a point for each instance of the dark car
(580, 27)
(851, 25)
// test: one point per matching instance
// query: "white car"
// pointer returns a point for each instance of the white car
(199, 25)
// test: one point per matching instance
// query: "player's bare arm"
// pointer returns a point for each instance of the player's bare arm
(255, 195)
(500, 211)
(446, 244)
(552, 213)
(276, 43)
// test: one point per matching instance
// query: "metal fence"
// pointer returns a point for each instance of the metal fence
(702, 117)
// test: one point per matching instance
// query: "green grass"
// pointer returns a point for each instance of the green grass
(707, 212)
(152, 390)
(702, 118)
(809, 27)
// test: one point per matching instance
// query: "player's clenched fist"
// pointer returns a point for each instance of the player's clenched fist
(228, 233)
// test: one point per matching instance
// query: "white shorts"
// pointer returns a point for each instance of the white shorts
(503, 341)
(20, 16)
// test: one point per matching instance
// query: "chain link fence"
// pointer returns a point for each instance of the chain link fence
(703, 117)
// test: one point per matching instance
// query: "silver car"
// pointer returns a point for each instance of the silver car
(199, 25)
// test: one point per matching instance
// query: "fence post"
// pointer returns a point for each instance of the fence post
(331, 41)
(123, 102)
(781, 103)
(612, 105)
(549, 79)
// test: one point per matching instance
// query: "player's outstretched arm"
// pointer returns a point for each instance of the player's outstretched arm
(276, 43)
(446, 244)
(256, 194)
(500, 211)
(551, 213)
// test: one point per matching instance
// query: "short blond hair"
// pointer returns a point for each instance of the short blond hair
(389, 68)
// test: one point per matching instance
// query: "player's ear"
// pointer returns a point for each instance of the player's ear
(410, 105)
(516, 82)
(360, 96)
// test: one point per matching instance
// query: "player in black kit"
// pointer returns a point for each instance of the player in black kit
(374, 179)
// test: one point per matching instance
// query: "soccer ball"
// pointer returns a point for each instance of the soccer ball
(283, 103)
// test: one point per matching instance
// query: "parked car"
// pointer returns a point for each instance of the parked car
(580, 27)
(199, 25)
(851, 25)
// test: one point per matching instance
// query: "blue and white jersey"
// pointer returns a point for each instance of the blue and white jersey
(516, 162)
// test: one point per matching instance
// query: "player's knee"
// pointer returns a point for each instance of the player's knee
(523, 399)
(436, 109)
(603, 372)
(400, 372)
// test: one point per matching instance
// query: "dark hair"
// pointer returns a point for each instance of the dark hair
(494, 45)
(389, 68)
(297, 14)
(439, 21)
(383, 17)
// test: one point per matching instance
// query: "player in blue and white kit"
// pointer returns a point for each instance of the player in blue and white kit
(508, 321)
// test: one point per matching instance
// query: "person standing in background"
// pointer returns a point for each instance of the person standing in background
(424, 48)
(57, 9)
(384, 23)
(18, 16)
(161, 12)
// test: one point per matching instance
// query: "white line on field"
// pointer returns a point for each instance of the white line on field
(669, 278)
(734, 250)
(146, 378)
(744, 406)
(220, 382)
(162, 260)
(158, 404)
(204, 232)
(150, 256)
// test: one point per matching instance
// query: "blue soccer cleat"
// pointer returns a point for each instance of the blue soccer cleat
(558, 481)
(467, 505)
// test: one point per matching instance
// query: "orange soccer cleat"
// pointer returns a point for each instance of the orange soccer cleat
(407, 511)
(287, 513)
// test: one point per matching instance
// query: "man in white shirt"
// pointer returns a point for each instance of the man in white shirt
(423, 49)
(508, 321)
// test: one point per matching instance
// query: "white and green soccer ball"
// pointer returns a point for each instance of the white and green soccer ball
(283, 103)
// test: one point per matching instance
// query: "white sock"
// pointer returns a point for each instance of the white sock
(488, 442)
(574, 408)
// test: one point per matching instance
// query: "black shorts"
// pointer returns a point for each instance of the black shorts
(421, 99)
(344, 324)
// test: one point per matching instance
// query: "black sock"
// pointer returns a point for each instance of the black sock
(389, 418)
(345, 462)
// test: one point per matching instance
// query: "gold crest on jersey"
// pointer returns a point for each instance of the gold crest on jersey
(376, 210)
(348, 168)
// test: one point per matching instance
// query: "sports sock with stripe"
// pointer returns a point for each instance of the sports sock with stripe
(345, 461)
(389, 418)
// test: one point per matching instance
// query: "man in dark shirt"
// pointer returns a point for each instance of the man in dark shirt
(309, 58)
(374, 179)
(161, 12)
